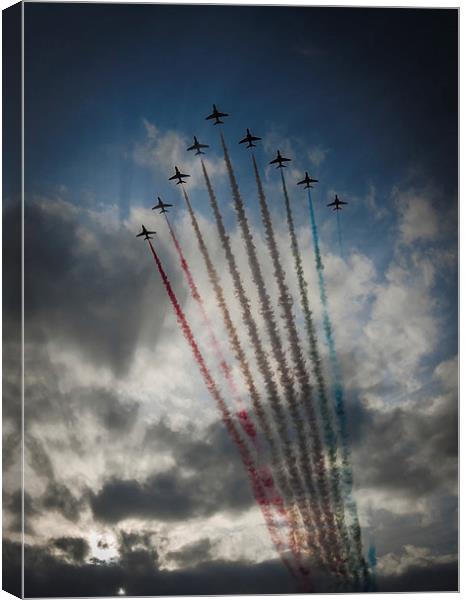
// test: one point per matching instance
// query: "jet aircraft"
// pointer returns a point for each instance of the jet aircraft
(249, 138)
(146, 233)
(216, 114)
(197, 146)
(307, 181)
(337, 203)
(178, 175)
(161, 206)
(279, 159)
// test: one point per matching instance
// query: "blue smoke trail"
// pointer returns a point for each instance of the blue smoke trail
(347, 478)
(372, 561)
(339, 236)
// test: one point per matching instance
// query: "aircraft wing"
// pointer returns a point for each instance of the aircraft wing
(342, 202)
(192, 147)
(165, 205)
(332, 204)
(276, 160)
(174, 177)
(182, 175)
(139, 234)
(302, 182)
(220, 114)
(254, 138)
(212, 116)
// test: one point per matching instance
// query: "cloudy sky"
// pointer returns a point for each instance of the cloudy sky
(132, 484)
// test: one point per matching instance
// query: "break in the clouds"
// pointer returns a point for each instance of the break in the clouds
(132, 483)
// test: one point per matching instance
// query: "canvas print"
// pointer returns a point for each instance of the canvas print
(230, 300)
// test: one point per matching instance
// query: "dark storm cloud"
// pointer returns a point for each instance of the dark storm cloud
(47, 575)
(87, 287)
(194, 553)
(12, 503)
(74, 548)
(434, 578)
(11, 448)
(113, 414)
(11, 406)
(407, 450)
(58, 497)
(11, 380)
(138, 574)
(164, 496)
(392, 532)
(38, 458)
(132, 540)
(137, 553)
(207, 477)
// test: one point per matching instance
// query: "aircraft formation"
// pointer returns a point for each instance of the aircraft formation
(249, 139)
(301, 478)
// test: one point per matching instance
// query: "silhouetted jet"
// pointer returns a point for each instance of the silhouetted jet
(178, 175)
(337, 203)
(146, 233)
(249, 138)
(307, 181)
(196, 146)
(216, 114)
(161, 206)
(279, 159)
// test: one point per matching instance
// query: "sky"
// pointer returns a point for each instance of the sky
(132, 484)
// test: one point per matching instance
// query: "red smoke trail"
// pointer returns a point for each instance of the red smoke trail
(257, 487)
(289, 512)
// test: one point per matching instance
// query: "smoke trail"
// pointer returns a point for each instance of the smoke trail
(339, 236)
(257, 404)
(296, 491)
(280, 356)
(347, 477)
(238, 350)
(243, 415)
(257, 487)
(372, 561)
(325, 411)
(285, 302)
(225, 368)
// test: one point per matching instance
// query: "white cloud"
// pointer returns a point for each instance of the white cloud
(418, 217)
(317, 155)
(412, 556)
(378, 209)
(161, 151)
